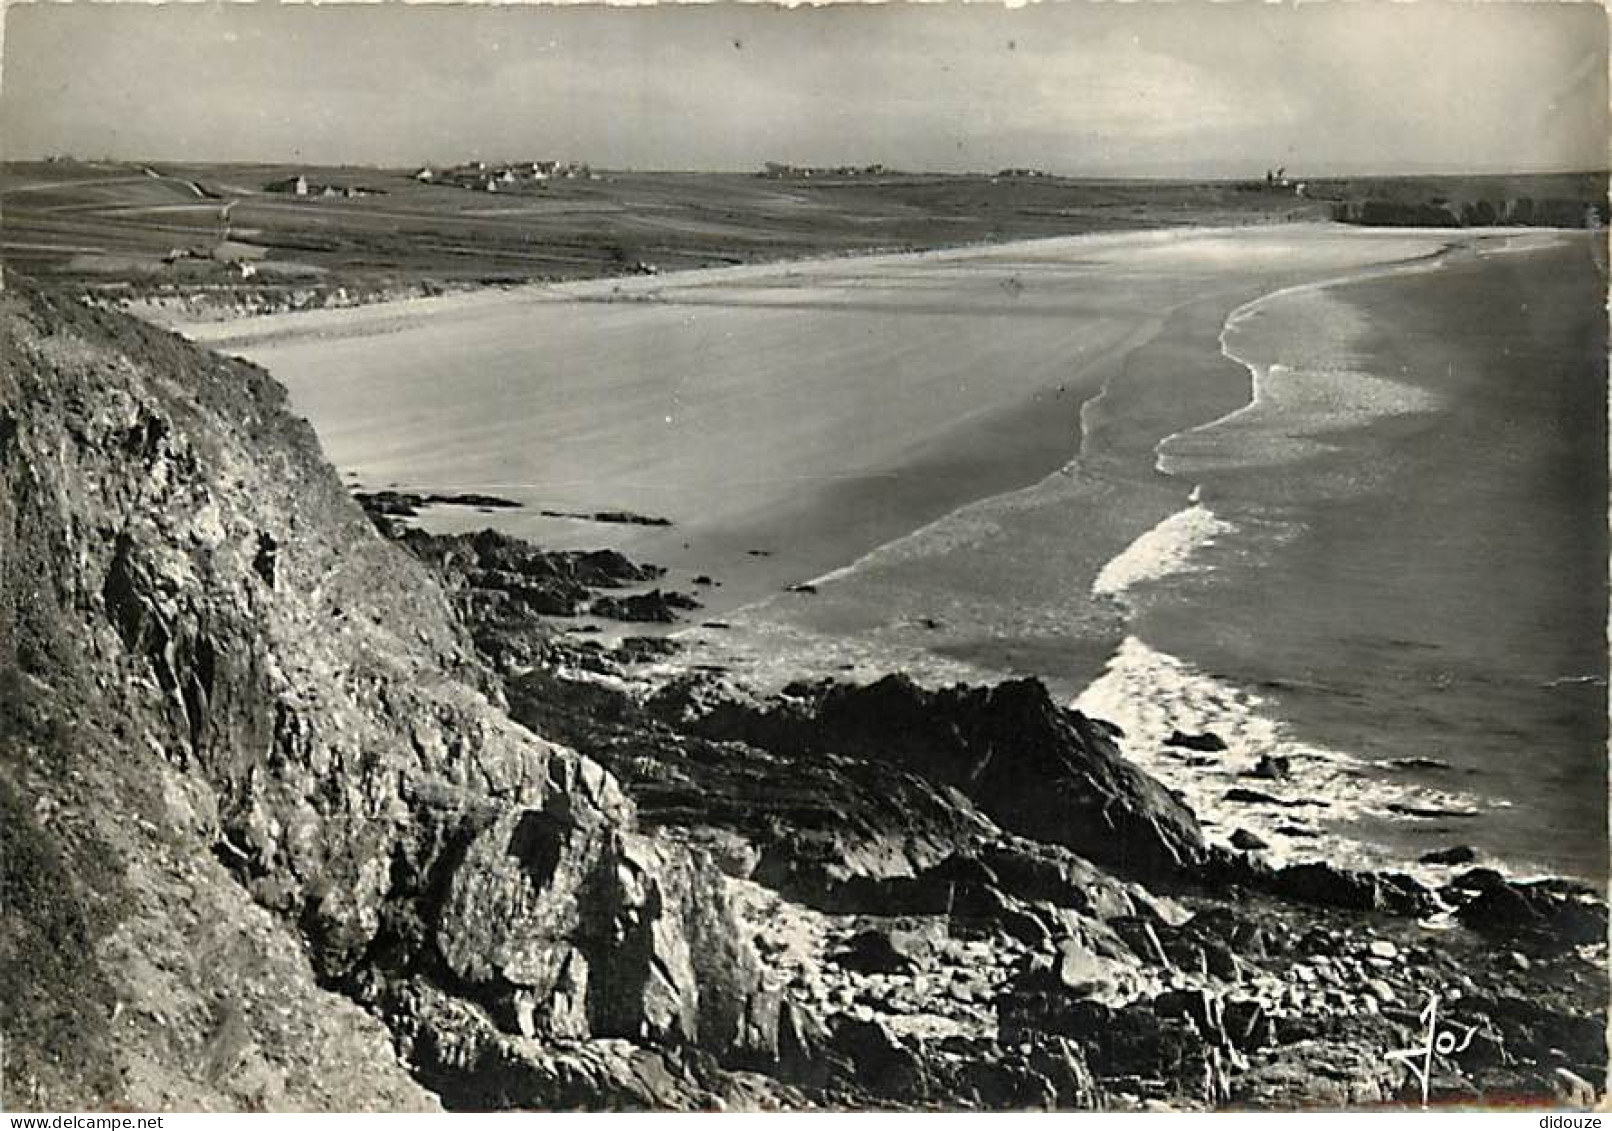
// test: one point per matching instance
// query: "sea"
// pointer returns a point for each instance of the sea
(1381, 571)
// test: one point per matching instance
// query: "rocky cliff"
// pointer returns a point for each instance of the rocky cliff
(287, 823)
(270, 839)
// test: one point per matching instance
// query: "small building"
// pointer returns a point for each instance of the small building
(296, 186)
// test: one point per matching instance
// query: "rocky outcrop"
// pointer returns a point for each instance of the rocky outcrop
(1541, 916)
(1038, 770)
(656, 606)
(186, 579)
(1517, 211)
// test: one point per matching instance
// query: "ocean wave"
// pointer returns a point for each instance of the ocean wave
(1313, 387)
(1304, 816)
(1311, 383)
(1164, 551)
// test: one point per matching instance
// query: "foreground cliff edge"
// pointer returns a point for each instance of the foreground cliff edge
(277, 835)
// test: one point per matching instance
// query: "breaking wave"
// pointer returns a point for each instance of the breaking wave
(1164, 551)
(1306, 814)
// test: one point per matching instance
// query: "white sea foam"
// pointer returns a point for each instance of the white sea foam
(1164, 551)
(1150, 693)
(1317, 387)
(1308, 384)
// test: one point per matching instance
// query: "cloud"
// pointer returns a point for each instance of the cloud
(1072, 87)
(1119, 88)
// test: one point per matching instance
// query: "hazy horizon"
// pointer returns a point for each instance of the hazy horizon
(1190, 91)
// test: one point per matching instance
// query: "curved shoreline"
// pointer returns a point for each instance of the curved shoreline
(1419, 263)
(1234, 710)
(1260, 374)
(222, 333)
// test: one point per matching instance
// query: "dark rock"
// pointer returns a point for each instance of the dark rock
(1298, 831)
(1044, 1073)
(1038, 770)
(1255, 797)
(1220, 962)
(961, 869)
(623, 518)
(1224, 926)
(1460, 854)
(646, 649)
(1532, 916)
(1430, 813)
(1418, 764)
(390, 504)
(976, 905)
(881, 952)
(1327, 886)
(471, 499)
(1273, 768)
(1247, 841)
(1199, 1007)
(1208, 742)
(1477, 880)
(1142, 936)
(1247, 1026)
(1048, 874)
(656, 606)
(1543, 1032)
(884, 1066)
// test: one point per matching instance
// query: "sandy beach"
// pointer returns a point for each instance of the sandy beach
(787, 419)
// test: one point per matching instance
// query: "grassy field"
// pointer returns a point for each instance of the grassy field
(142, 229)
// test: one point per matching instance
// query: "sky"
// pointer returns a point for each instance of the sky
(1078, 87)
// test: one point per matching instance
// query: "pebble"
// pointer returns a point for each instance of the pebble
(1382, 948)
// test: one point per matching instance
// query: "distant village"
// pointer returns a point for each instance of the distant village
(778, 170)
(476, 175)
(781, 171)
(481, 176)
(300, 185)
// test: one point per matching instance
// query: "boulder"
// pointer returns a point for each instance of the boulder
(1207, 742)
(1532, 916)
(1247, 841)
(1273, 768)
(881, 952)
(1328, 886)
(657, 606)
